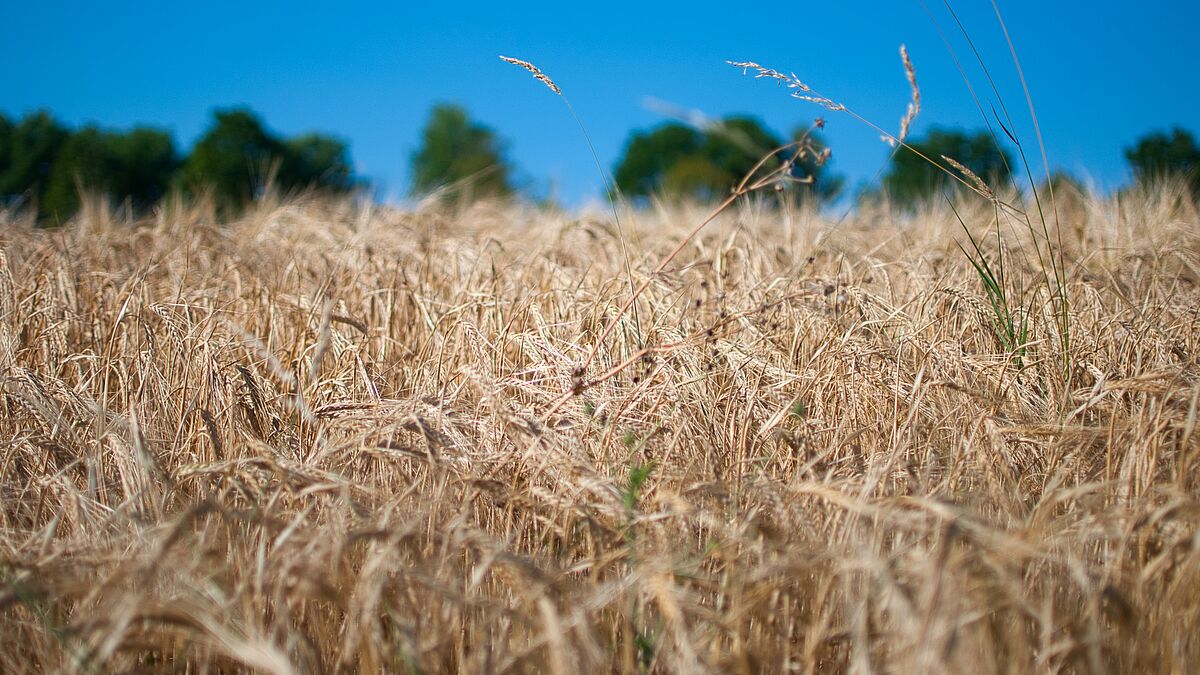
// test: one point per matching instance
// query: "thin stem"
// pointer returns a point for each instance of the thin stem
(611, 192)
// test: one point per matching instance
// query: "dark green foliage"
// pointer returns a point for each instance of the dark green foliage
(697, 177)
(459, 153)
(42, 161)
(84, 159)
(147, 159)
(734, 145)
(650, 155)
(234, 159)
(27, 152)
(6, 141)
(674, 160)
(136, 166)
(315, 160)
(912, 179)
(238, 158)
(1160, 155)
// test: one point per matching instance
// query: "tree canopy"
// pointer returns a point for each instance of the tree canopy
(675, 160)
(137, 166)
(458, 153)
(47, 164)
(233, 158)
(1158, 155)
(650, 155)
(912, 179)
(238, 157)
(27, 153)
(43, 162)
(316, 160)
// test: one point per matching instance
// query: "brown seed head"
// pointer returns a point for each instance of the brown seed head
(977, 182)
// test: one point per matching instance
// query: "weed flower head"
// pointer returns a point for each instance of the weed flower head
(800, 90)
(914, 106)
(537, 72)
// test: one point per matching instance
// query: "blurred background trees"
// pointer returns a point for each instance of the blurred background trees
(459, 157)
(136, 166)
(912, 179)
(238, 158)
(27, 152)
(233, 159)
(1160, 155)
(44, 163)
(676, 161)
(317, 161)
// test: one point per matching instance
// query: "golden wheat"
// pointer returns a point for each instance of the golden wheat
(316, 439)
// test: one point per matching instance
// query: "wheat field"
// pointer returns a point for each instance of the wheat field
(337, 437)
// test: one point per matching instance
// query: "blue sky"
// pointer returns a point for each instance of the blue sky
(1101, 73)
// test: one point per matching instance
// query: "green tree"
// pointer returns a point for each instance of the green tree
(460, 153)
(1158, 155)
(697, 177)
(138, 166)
(912, 178)
(317, 161)
(6, 140)
(675, 160)
(649, 155)
(84, 159)
(147, 161)
(735, 145)
(234, 158)
(27, 152)
(238, 157)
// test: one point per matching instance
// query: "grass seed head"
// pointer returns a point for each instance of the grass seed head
(537, 72)
(914, 106)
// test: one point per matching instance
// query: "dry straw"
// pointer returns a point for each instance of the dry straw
(819, 463)
(838, 449)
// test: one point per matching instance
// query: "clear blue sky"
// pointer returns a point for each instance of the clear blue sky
(1101, 72)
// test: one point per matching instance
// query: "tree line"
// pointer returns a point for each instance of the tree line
(675, 160)
(45, 164)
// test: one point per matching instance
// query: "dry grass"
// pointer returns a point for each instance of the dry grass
(317, 439)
